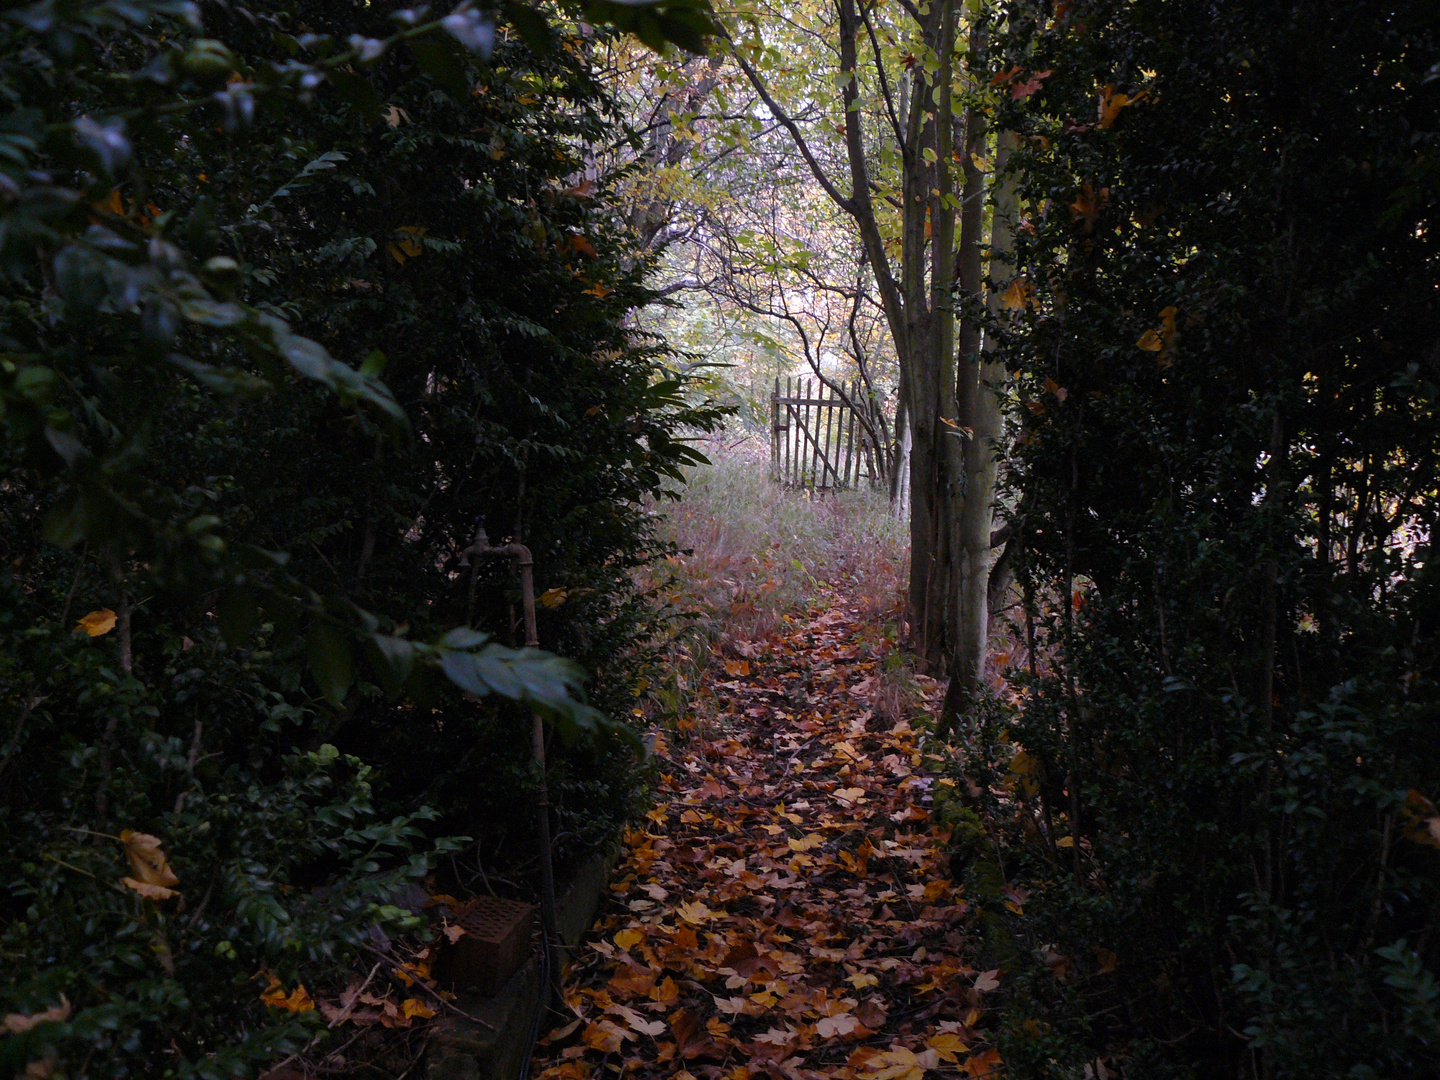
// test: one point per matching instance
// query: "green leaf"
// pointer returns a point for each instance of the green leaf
(392, 659)
(330, 661)
(439, 58)
(238, 614)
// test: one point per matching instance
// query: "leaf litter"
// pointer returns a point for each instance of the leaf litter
(785, 911)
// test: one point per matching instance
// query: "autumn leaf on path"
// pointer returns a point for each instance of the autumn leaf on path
(786, 905)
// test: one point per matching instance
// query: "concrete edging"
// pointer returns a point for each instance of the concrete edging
(464, 1050)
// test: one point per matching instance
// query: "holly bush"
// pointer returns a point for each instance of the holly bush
(296, 300)
(1219, 769)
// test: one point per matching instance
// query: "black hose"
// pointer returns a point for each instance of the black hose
(541, 1006)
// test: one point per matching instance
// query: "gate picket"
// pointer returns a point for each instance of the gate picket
(818, 439)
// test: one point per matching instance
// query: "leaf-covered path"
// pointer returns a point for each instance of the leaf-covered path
(786, 911)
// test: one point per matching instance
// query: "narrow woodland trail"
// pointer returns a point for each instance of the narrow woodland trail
(786, 911)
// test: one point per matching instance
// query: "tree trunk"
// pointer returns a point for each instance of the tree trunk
(977, 522)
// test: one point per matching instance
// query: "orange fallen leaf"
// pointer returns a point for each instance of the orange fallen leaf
(297, 1001)
(97, 622)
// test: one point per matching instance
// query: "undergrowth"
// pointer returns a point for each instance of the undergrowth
(752, 555)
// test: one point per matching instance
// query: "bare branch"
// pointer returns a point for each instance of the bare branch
(884, 83)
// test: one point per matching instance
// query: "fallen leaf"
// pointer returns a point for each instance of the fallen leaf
(605, 1036)
(897, 1063)
(830, 1026)
(1018, 295)
(987, 981)
(1022, 90)
(983, 1064)
(1111, 102)
(151, 874)
(20, 1023)
(297, 1001)
(694, 913)
(947, 1044)
(1088, 207)
(97, 622)
(412, 1007)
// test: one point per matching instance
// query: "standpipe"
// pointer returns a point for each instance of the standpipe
(525, 563)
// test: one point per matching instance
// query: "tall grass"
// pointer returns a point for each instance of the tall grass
(754, 557)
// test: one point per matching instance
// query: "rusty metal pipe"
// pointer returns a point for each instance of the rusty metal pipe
(525, 563)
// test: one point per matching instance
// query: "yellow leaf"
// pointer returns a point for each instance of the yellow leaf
(408, 240)
(1111, 103)
(604, 1036)
(97, 622)
(629, 937)
(552, 598)
(1017, 295)
(147, 861)
(947, 1044)
(411, 1007)
(396, 253)
(1065, 842)
(736, 668)
(895, 1064)
(297, 1001)
(861, 979)
(695, 913)
(1150, 341)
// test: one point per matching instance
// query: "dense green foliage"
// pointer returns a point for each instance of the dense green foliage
(192, 233)
(1226, 489)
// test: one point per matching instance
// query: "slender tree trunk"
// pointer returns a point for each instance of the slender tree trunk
(982, 452)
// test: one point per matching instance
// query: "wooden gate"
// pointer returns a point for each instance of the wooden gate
(818, 441)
